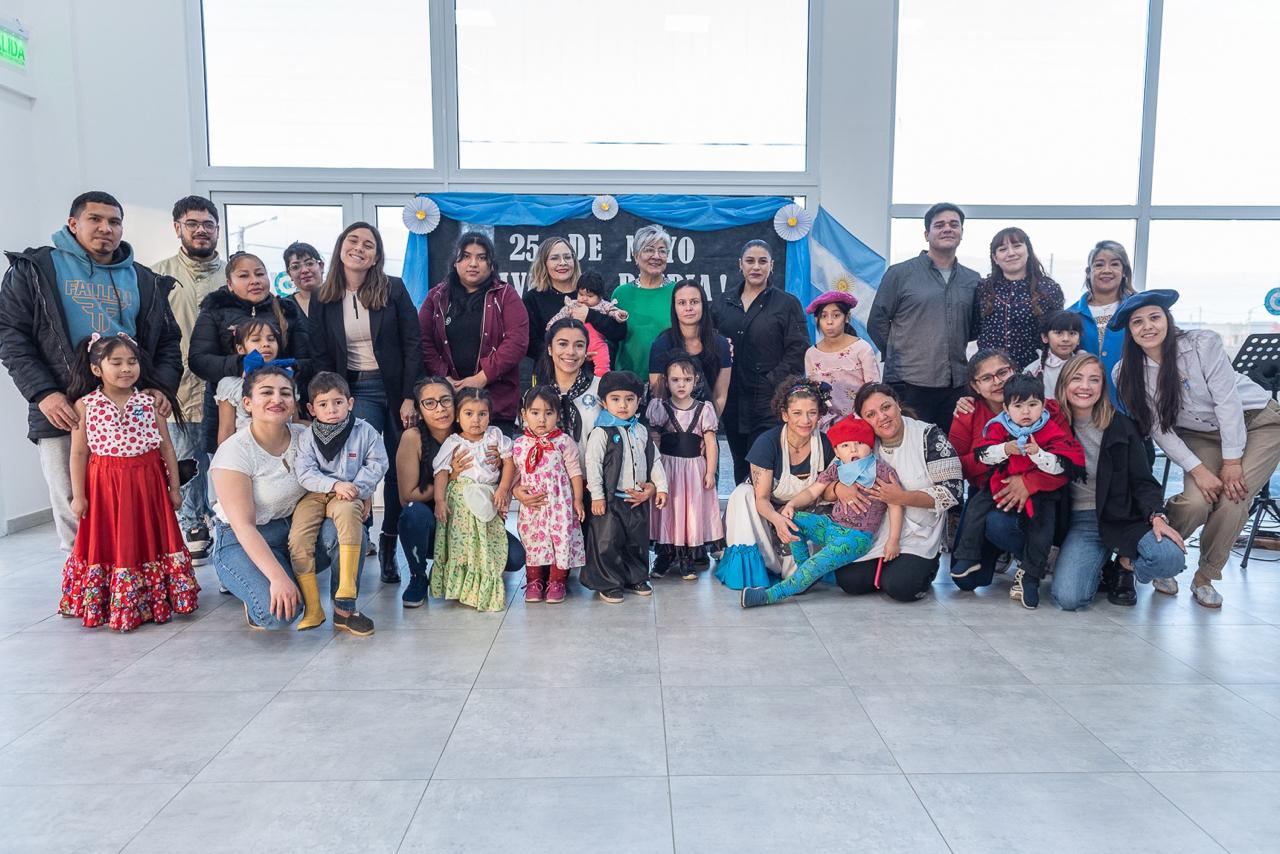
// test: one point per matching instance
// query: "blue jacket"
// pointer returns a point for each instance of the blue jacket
(362, 461)
(1112, 343)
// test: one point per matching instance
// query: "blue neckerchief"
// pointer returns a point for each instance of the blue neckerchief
(608, 419)
(253, 360)
(861, 471)
(1019, 433)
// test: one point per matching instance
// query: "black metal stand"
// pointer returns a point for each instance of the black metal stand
(1259, 359)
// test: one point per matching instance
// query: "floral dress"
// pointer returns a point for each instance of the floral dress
(845, 371)
(552, 534)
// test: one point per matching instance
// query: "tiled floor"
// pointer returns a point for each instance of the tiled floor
(679, 723)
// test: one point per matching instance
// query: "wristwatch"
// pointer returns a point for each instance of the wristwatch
(1158, 515)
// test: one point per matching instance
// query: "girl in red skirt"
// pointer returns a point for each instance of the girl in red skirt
(129, 564)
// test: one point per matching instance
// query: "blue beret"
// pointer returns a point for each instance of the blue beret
(1162, 297)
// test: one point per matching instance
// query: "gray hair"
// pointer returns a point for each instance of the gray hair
(649, 235)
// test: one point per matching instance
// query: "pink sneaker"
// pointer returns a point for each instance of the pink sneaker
(533, 591)
(555, 592)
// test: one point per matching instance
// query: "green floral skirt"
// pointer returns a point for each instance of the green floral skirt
(470, 555)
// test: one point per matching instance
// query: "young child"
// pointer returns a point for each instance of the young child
(129, 565)
(1021, 440)
(847, 533)
(685, 431)
(1060, 331)
(471, 547)
(253, 336)
(840, 358)
(623, 471)
(340, 461)
(591, 295)
(547, 463)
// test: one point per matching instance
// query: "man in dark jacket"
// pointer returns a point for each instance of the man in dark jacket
(54, 297)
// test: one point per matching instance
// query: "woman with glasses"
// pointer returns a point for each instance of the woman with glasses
(418, 448)
(647, 300)
(305, 267)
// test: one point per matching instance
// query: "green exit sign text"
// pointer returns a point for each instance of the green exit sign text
(13, 48)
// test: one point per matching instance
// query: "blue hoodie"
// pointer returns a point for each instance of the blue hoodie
(100, 298)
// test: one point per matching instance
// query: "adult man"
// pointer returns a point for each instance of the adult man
(197, 271)
(306, 270)
(51, 300)
(920, 320)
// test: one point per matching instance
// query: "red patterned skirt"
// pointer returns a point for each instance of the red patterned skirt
(129, 565)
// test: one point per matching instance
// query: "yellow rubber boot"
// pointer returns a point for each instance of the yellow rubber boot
(312, 613)
(348, 568)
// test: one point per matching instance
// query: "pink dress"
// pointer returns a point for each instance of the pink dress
(846, 371)
(692, 514)
(552, 534)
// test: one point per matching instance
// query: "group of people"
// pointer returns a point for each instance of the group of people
(184, 412)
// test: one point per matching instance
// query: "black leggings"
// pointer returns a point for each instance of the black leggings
(906, 578)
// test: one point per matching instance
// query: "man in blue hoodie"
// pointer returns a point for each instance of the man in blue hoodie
(52, 299)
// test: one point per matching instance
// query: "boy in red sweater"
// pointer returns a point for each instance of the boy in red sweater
(1021, 440)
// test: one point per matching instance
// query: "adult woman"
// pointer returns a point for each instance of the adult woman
(784, 460)
(1221, 427)
(416, 482)
(563, 364)
(693, 331)
(1117, 506)
(1108, 282)
(364, 326)
(1009, 303)
(553, 279)
(930, 476)
(305, 267)
(255, 481)
(767, 329)
(647, 300)
(475, 329)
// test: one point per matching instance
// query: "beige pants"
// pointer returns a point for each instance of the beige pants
(309, 515)
(1224, 520)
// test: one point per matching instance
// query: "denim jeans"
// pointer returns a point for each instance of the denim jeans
(241, 576)
(418, 539)
(188, 444)
(371, 405)
(1079, 567)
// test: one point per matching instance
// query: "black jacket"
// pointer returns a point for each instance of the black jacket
(544, 305)
(769, 341)
(1127, 492)
(212, 353)
(397, 344)
(36, 346)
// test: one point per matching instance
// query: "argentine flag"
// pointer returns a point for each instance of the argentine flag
(841, 262)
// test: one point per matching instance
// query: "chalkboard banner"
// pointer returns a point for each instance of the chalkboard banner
(605, 246)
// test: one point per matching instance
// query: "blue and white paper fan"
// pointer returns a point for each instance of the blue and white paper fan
(604, 207)
(421, 215)
(792, 222)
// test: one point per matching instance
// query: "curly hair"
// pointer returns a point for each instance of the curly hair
(798, 387)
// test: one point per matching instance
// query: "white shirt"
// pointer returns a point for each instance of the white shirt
(231, 390)
(276, 491)
(480, 470)
(633, 458)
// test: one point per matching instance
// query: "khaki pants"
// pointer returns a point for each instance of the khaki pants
(1224, 520)
(309, 515)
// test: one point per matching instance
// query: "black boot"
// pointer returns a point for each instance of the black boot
(1124, 592)
(1110, 575)
(387, 559)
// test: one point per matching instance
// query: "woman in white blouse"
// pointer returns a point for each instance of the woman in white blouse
(1222, 428)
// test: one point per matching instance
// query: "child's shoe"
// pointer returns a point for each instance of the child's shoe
(688, 570)
(753, 597)
(613, 597)
(535, 587)
(641, 589)
(1030, 592)
(661, 563)
(555, 586)
(415, 593)
(355, 622)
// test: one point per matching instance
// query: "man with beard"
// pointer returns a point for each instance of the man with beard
(198, 271)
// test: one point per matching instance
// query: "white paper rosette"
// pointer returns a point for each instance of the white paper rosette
(792, 222)
(604, 207)
(421, 215)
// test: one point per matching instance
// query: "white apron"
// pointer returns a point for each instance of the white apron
(922, 528)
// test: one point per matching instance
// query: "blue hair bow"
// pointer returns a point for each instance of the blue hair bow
(253, 361)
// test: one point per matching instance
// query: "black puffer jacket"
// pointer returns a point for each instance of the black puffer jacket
(35, 344)
(212, 353)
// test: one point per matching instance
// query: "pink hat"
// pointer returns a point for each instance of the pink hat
(830, 297)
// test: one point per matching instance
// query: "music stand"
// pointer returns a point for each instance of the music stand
(1259, 359)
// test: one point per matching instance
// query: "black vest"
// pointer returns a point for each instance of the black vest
(675, 440)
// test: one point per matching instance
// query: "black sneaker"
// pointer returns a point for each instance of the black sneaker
(1030, 592)
(613, 597)
(641, 589)
(198, 542)
(1124, 592)
(415, 594)
(355, 622)
(661, 563)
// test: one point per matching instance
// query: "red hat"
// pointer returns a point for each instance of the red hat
(851, 429)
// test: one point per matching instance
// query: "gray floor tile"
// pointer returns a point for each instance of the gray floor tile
(1176, 727)
(916, 655)
(1158, 609)
(1086, 654)
(995, 813)
(781, 655)
(710, 603)
(771, 730)
(549, 816)
(1223, 653)
(813, 814)
(307, 736)
(610, 731)
(1236, 809)
(827, 604)
(991, 606)
(1265, 697)
(21, 712)
(582, 609)
(998, 728)
(390, 615)
(77, 819)
(35, 662)
(369, 817)
(579, 656)
(21, 608)
(129, 738)
(397, 660)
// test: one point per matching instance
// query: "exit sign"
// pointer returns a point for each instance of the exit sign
(13, 44)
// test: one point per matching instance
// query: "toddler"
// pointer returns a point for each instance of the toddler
(1060, 333)
(591, 295)
(259, 343)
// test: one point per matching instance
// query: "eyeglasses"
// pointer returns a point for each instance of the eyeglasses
(988, 379)
(309, 264)
(198, 226)
(655, 253)
(430, 404)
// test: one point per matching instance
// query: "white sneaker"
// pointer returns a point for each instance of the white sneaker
(1205, 595)
(1167, 586)
(1015, 592)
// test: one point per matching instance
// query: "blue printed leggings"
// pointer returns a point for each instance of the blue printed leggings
(837, 546)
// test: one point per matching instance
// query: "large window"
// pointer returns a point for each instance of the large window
(318, 83)
(674, 85)
(266, 230)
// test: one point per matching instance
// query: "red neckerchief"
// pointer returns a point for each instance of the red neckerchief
(540, 444)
